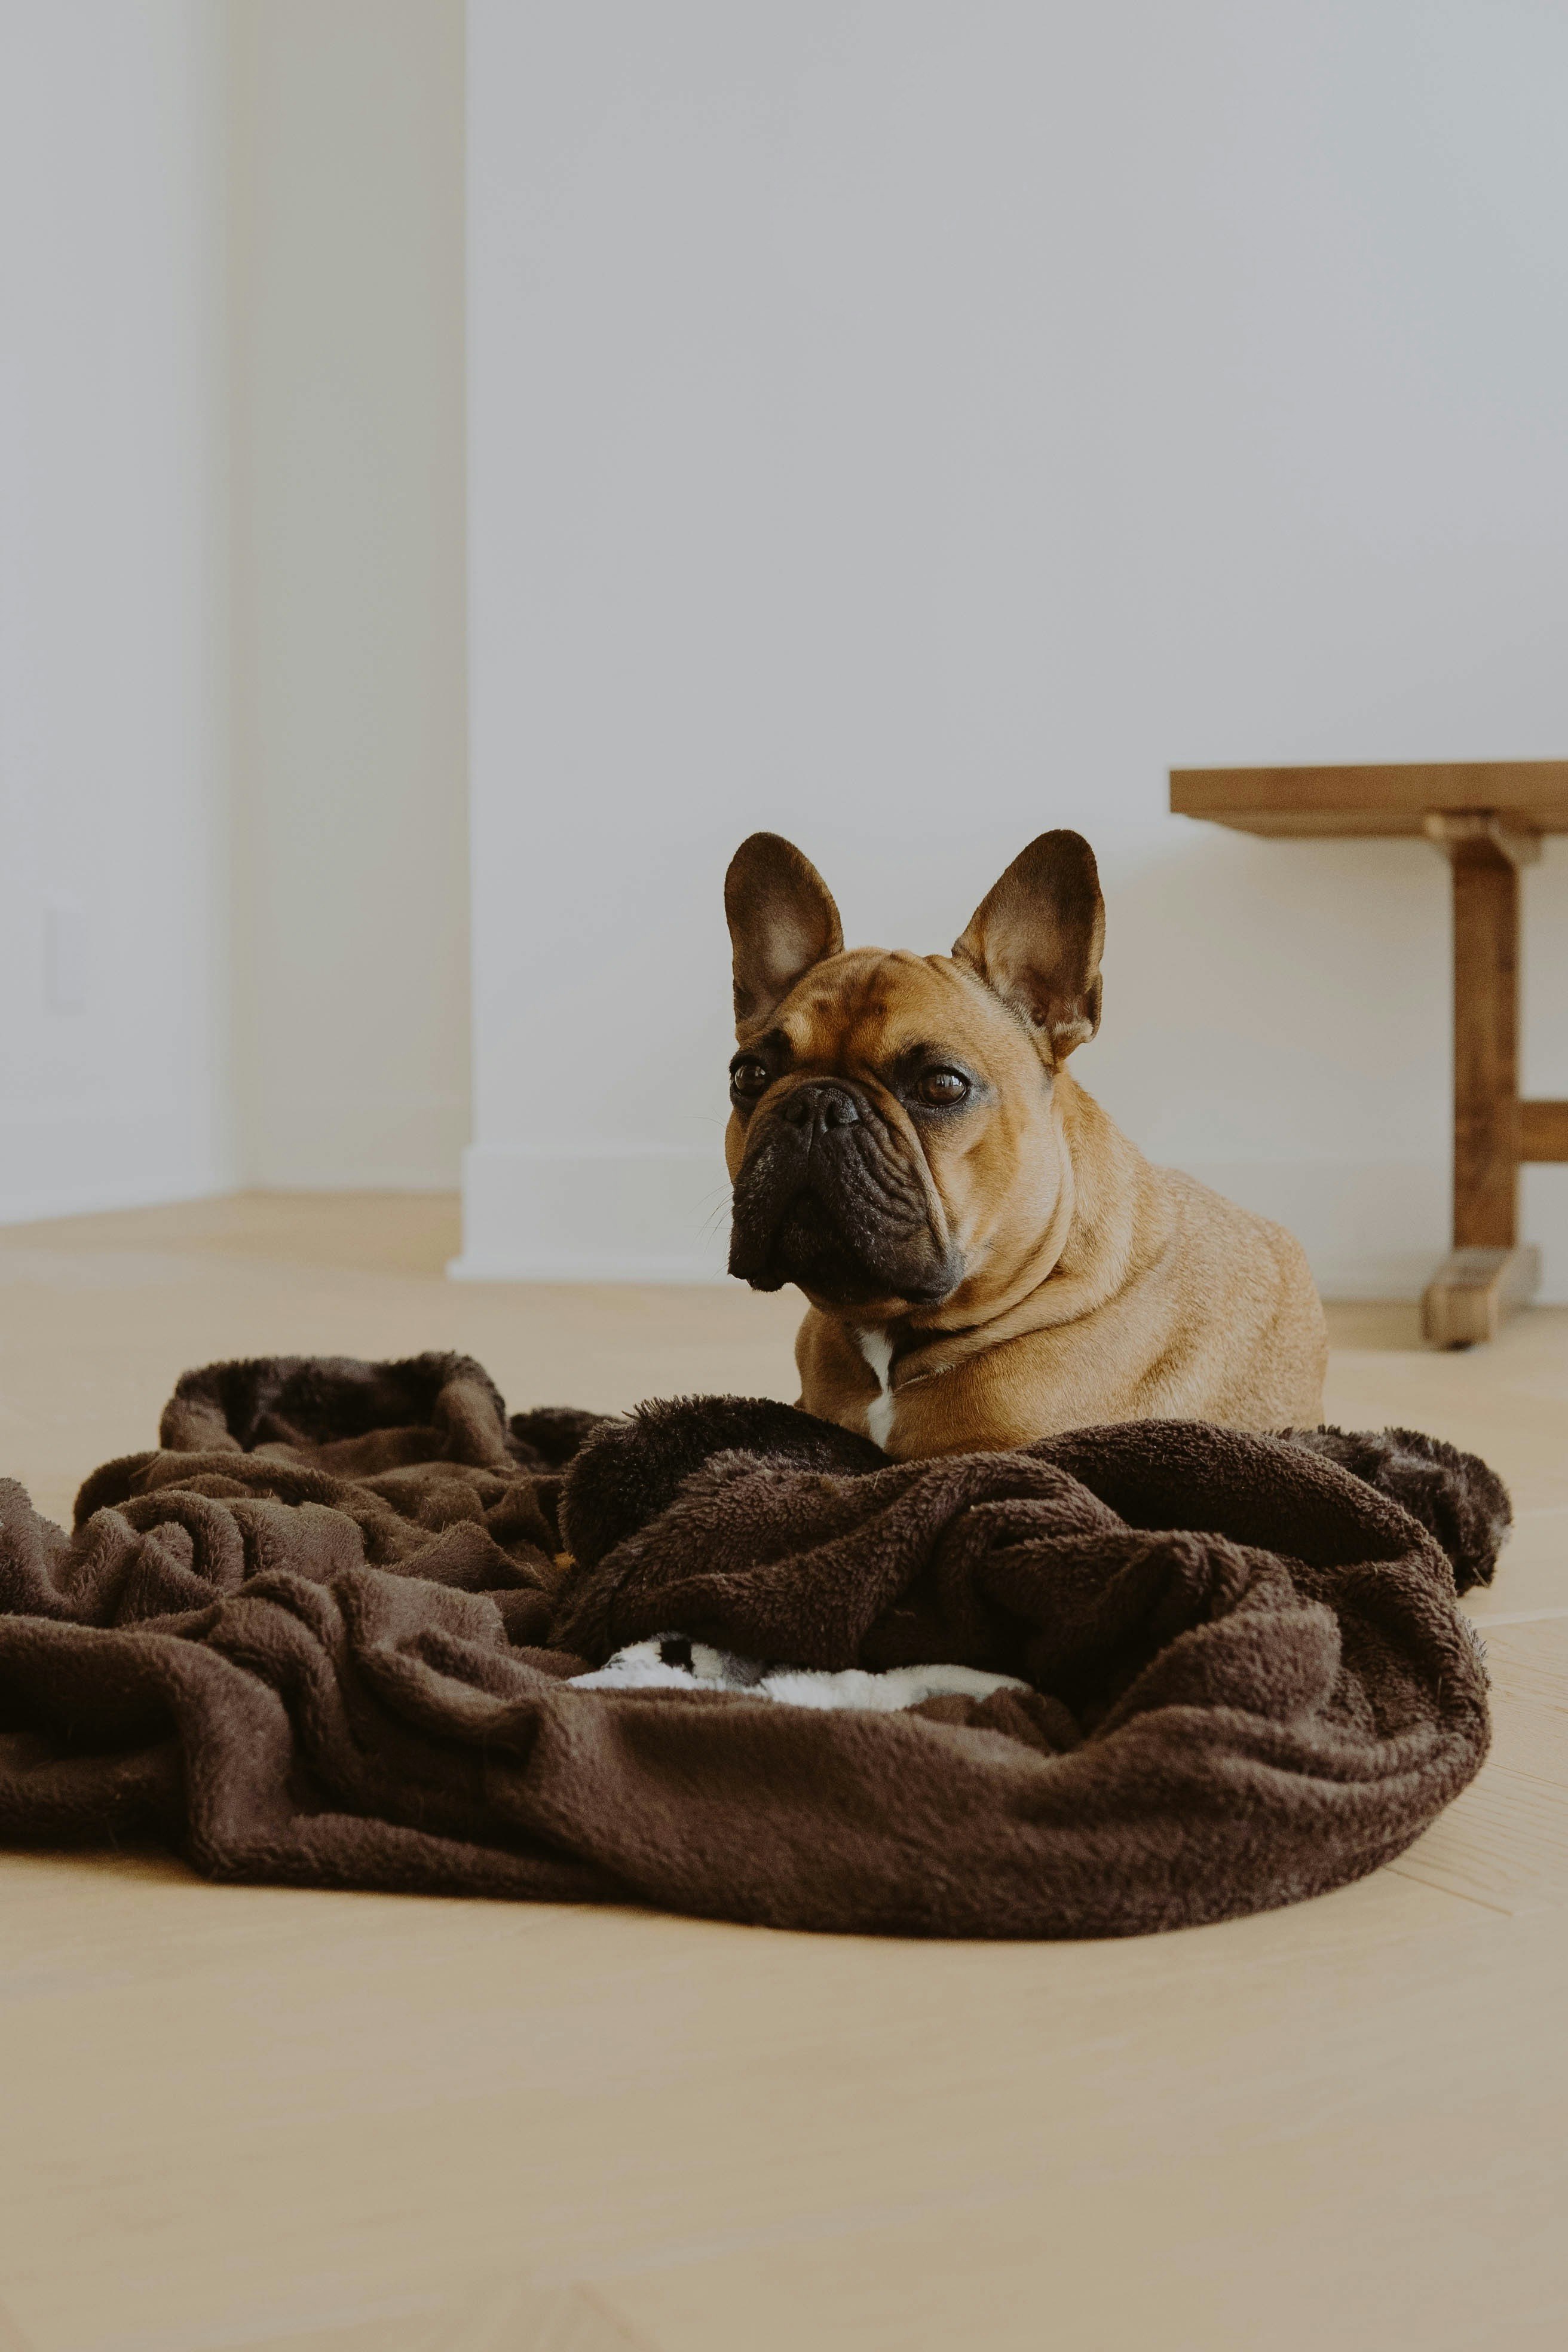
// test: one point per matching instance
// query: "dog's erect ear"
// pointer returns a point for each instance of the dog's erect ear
(782, 920)
(1036, 941)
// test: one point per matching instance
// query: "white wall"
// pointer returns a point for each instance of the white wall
(351, 943)
(112, 591)
(910, 425)
(232, 631)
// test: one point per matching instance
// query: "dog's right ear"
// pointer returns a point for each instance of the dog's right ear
(782, 920)
(1036, 940)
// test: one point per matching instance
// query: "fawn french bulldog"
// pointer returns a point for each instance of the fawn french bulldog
(987, 1258)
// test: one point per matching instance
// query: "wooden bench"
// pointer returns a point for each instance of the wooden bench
(1487, 818)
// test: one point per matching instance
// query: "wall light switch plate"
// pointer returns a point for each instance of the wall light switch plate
(65, 955)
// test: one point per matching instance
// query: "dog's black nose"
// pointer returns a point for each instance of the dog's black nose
(820, 1104)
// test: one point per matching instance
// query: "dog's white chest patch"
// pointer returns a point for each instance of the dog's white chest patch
(877, 1349)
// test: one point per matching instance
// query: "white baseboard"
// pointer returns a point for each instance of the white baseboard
(353, 1144)
(77, 1163)
(1371, 1230)
(631, 1216)
(1378, 1229)
(1543, 1220)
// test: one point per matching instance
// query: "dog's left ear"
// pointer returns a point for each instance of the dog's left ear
(1036, 941)
(782, 920)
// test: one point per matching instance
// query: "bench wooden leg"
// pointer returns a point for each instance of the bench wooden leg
(1488, 1273)
(1473, 1289)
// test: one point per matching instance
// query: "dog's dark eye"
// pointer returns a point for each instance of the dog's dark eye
(749, 1077)
(941, 1087)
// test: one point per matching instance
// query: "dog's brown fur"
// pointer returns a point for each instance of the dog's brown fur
(1065, 1280)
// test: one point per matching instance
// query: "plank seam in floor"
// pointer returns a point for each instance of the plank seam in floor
(1403, 1870)
(1520, 1617)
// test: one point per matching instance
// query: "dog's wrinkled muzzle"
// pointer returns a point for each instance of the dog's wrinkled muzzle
(828, 1198)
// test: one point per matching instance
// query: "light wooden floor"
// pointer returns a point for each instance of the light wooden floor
(243, 2116)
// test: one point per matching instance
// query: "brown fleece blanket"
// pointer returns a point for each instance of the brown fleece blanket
(324, 1636)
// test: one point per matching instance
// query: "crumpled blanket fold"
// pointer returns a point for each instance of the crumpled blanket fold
(326, 1634)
